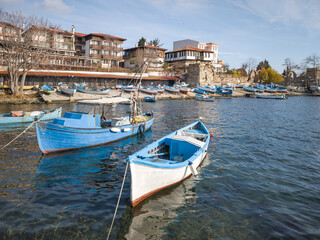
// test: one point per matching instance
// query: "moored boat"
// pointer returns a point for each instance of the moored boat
(148, 90)
(66, 90)
(129, 89)
(150, 99)
(171, 89)
(204, 98)
(47, 89)
(208, 89)
(23, 117)
(266, 96)
(223, 91)
(200, 91)
(167, 161)
(81, 88)
(86, 126)
(158, 89)
(250, 89)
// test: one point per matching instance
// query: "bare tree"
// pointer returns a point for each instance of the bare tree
(313, 61)
(249, 65)
(23, 47)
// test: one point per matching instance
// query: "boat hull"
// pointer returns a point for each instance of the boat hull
(93, 92)
(282, 96)
(152, 175)
(25, 119)
(53, 137)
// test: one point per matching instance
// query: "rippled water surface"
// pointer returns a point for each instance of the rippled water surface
(260, 180)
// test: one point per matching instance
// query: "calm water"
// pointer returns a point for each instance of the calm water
(260, 180)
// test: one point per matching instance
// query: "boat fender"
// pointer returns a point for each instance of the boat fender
(211, 135)
(125, 129)
(142, 127)
(115, 130)
(193, 170)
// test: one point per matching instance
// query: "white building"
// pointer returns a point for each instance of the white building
(189, 51)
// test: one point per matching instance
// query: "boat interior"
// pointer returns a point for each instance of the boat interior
(178, 147)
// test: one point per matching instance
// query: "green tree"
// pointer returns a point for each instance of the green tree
(263, 64)
(142, 41)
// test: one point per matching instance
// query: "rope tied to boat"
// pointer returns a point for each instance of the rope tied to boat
(19, 134)
(115, 212)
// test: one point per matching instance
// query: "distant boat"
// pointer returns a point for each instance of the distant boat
(159, 89)
(204, 98)
(171, 89)
(208, 89)
(250, 89)
(148, 90)
(81, 88)
(184, 90)
(150, 99)
(200, 91)
(23, 117)
(66, 90)
(86, 126)
(223, 91)
(167, 161)
(129, 89)
(47, 89)
(265, 96)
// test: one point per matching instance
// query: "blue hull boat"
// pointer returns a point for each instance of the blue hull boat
(30, 116)
(171, 89)
(207, 89)
(47, 89)
(150, 99)
(81, 88)
(86, 126)
(200, 91)
(250, 89)
(167, 161)
(223, 91)
(200, 97)
(68, 91)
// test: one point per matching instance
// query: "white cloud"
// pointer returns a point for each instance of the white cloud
(54, 6)
(304, 13)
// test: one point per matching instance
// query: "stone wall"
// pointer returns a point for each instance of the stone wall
(203, 74)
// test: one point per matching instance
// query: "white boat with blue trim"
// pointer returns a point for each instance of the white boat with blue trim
(167, 161)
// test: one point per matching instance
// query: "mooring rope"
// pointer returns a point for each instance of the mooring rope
(115, 212)
(19, 135)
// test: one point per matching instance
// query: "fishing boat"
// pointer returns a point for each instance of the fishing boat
(129, 89)
(171, 89)
(167, 161)
(24, 117)
(223, 91)
(24, 87)
(148, 90)
(150, 99)
(208, 89)
(184, 90)
(204, 98)
(158, 89)
(47, 89)
(250, 89)
(81, 88)
(86, 125)
(200, 91)
(265, 96)
(66, 90)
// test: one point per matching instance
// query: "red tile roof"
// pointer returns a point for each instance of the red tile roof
(212, 44)
(106, 36)
(80, 34)
(146, 46)
(191, 49)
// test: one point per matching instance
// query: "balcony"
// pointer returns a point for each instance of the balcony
(95, 56)
(93, 46)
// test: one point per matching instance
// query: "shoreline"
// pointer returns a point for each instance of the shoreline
(57, 97)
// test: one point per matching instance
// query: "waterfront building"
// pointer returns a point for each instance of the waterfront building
(189, 52)
(153, 55)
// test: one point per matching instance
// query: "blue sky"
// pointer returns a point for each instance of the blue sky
(259, 29)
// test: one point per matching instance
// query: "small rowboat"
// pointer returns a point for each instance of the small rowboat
(204, 98)
(81, 88)
(250, 89)
(200, 91)
(207, 89)
(265, 96)
(47, 89)
(148, 90)
(167, 161)
(66, 90)
(23, 117)
(171, 89)
(159, 89)
(184, 90)
(129, 89)
(150, 99)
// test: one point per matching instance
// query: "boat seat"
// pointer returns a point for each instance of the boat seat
(189, 139)
(196, 135)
